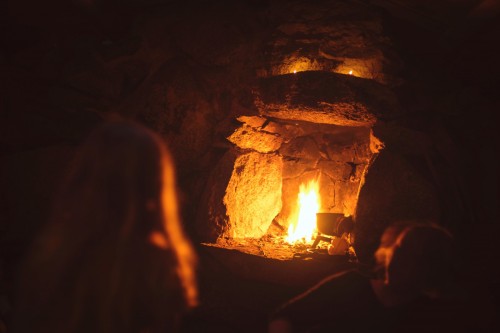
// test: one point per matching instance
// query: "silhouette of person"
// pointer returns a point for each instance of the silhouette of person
(412, 289)
(113, 257)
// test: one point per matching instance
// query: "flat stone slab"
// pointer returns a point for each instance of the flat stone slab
(325, 97)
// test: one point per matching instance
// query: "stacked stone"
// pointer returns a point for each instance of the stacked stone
(333, 36)
(310, 126)
(334, 155)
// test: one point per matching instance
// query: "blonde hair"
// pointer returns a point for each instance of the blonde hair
(182, 248)
(114, 256)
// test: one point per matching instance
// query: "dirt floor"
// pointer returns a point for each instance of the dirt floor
(240, 290)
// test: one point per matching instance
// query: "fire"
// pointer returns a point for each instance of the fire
(350, 72)
(308, 205)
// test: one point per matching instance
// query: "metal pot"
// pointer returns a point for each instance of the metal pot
(334, 224)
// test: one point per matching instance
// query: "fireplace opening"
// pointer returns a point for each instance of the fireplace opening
(258, 99)
(275, 192)
(286, 166)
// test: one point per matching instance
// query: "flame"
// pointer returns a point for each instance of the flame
(350, 72)
(308, 204)
(294, 71)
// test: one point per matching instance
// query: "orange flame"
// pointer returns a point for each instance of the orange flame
(308, 203)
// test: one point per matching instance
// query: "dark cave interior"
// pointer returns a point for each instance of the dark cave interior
(424, 79)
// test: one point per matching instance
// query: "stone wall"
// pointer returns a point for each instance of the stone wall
(312, 125)
(215, 80)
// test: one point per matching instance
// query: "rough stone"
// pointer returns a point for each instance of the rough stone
(252, 121)
(339, 194)
(286, 130)
(295, 167)
(346, 197)
(322, 97)
(354, 153)
(302, 147)
(335, 170)
(253, 195)
(245, 137)
(336, 38)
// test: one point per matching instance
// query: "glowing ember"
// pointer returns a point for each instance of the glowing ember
(294, 71)
(308, 203)
(350, 72)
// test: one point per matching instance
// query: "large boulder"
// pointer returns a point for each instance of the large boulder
(242, 196)
(253, 195)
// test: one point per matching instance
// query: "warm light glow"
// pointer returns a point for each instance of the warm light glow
(350, 72)
(172, 236)
(295, 65)
(304, 227)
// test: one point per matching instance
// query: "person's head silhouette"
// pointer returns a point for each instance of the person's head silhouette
(417, 257)
(113, 257)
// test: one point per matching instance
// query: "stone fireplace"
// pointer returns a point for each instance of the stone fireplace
(250, 112)
(254, 99)
(310, 126)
